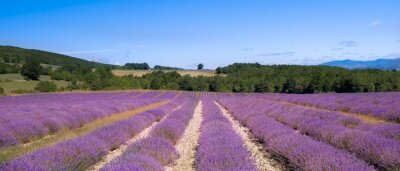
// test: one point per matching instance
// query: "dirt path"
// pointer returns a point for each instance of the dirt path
(158, 95)
(186, 146)
(365, 118)
(137, 95)
(10, 153)
(122, 148)
(259, 155)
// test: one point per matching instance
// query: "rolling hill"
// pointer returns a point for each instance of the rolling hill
(384, 64)
(14, 54)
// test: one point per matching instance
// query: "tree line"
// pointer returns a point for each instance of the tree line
(145, 66)
(247, 78)
(238, 77)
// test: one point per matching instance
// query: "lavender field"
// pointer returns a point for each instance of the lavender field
(204, 131)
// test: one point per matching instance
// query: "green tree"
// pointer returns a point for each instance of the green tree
(46, 70)
(200, 66)
(31, 70)
(143, 66)
(159, 67)
(104, 72)
(155, 84)
(3, 68)
(186, 83)
(264, 87)
(46, 86)
(218, 70)
(1, 91)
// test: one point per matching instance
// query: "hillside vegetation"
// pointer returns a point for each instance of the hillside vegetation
(11, 54)
(238, 77)
(249, 78)
(15, 83)
(308, 79)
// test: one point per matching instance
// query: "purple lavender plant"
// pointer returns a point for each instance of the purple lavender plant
(33, 116)
(135, 162)
(301, 150)
(159, 145)
(220, 148)
(82, 152)
(382, 105)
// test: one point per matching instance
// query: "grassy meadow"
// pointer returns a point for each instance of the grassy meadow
(13, 82)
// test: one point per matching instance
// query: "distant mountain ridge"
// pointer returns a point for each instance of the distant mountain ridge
(384, 64)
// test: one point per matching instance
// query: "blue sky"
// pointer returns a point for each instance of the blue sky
(183, 33)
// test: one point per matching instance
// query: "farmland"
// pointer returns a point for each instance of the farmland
(139, 73)
(190, 131)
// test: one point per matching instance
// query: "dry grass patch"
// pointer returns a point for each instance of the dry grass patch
(139, 73)
(364, 118)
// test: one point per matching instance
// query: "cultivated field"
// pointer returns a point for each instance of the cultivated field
(200, 131)
(138, 73)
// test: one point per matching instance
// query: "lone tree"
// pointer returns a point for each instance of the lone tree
(200, 66)
(31, 70)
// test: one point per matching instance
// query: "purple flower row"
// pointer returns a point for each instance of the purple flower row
(388, 130)
(23, 119)
(156, 150)
(382, 105)
(84, 151)
(220, 148)
(300, 150)
(366, 145)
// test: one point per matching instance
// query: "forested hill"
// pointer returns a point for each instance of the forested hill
(11, 54)
(238, 77)
(308, 79)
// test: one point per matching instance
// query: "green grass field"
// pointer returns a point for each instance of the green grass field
(18, 77)
(207, 73)
(17, 82)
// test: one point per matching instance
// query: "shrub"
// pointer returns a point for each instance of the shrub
(46, 86)
(1, 91)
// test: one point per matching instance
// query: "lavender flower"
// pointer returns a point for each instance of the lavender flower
(84, 151)
(220, 148)
(301, 150)
(33, 116)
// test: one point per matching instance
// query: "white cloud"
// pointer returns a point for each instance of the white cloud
(336, 49)
(247, 49)
(278, 54)
(131, 45)
(143, 46)
(348, 43)
(375, 23)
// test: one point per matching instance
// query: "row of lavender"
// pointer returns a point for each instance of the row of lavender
(382, 105)
(24, 118)
(156, 150)
(82, 152)
(302, 151)
(386, 130)
(365, 144)
(220, 148)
